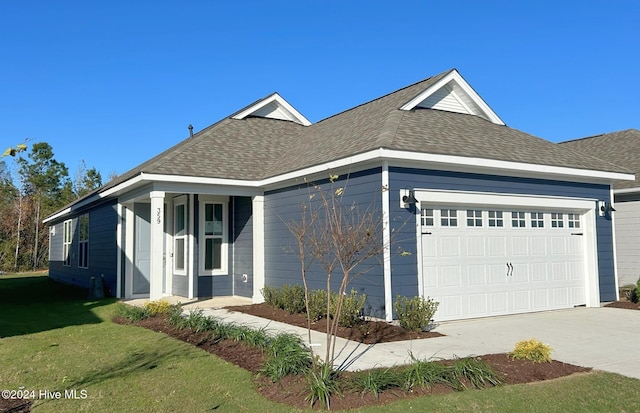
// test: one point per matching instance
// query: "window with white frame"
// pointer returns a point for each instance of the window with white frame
(213, 236)
(83, 241)
(557, 220)
(448, 217)
(573, 220)
(518, 220)
(496, 219)
(66, 243)
(474, 218)
(180, 235)
(537, 220)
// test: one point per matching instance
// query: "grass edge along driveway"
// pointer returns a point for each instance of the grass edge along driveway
(55, 340)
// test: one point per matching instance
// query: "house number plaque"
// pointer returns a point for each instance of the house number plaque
(158, 219)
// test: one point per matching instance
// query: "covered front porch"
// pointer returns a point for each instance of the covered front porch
(191, 242)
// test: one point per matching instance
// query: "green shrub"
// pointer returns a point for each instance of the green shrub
(415, 313)
(292, 298)
(352, 305)
(317, 304)
(271, 296)
(532, 350)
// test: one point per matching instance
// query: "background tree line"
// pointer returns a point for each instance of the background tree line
(38, 186)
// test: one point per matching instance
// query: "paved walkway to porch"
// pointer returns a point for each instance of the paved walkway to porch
(601, 338)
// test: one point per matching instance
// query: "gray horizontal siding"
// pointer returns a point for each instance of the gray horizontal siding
(404, 267)
(242, 246)
(282, 265)
(103, 221)
(627, 222)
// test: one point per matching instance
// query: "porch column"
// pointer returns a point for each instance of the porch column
(258, 247)
(157, 245)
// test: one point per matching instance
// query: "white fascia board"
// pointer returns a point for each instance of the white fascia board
(477, 165)
(455, 76)
(482, 165)
(296, 116)
(96, 197)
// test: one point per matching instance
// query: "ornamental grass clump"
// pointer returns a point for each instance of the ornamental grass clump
(532, 350)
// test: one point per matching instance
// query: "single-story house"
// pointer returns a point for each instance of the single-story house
(499, 221)
(621, 148)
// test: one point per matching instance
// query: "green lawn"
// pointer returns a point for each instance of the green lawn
(53, 339)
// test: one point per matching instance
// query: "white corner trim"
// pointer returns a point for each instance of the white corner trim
(258, 248)
(295, 115)
(615, 250)
(455, 77)
(386, 240)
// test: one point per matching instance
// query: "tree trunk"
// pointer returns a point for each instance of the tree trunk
(35, 247)
(15, 262)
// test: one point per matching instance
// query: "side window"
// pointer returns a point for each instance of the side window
(66, 243)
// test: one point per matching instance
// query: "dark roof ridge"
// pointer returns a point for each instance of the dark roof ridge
(600, 135)
(446, 72)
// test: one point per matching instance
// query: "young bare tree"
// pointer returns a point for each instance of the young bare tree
(342, 238)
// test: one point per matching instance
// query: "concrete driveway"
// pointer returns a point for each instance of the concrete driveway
(601, 338)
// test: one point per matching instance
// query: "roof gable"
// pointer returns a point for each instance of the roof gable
(453, 94)
(273, 107)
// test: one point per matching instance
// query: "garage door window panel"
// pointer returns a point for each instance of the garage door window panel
(449, 217)
(518, 220)
(474, 218)
(496, 219)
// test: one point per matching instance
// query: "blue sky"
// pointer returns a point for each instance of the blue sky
(116, 82)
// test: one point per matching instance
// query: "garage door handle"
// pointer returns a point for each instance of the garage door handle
(509, 269)
(426, 233)
(576, 233)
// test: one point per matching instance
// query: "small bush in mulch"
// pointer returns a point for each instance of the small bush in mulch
(366, 331)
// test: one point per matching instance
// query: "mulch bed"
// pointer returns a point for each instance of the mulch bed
(627, 305)
(292, 390)
(367, 332)
(15, 406)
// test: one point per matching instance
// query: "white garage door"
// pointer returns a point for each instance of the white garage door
(486, 261)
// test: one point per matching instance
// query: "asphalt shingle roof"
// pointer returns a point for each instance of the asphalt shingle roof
(257, 148)
(620, 148)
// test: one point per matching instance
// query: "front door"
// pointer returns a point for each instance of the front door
(142, 249)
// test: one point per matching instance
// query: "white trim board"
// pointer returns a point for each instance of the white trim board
(422, 160)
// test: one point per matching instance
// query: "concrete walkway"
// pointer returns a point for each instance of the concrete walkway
(601, 338)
